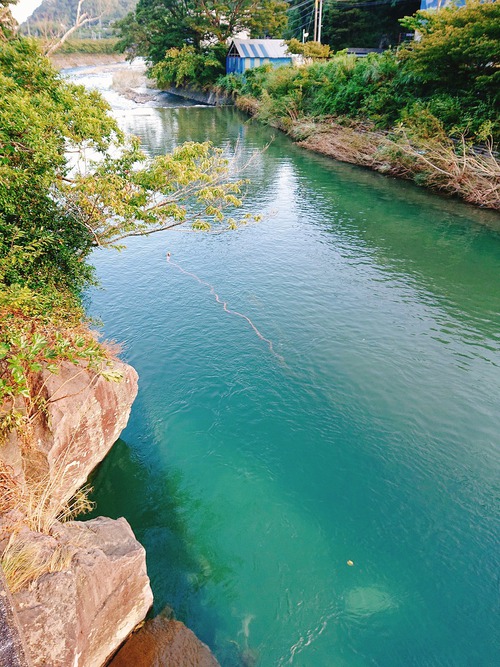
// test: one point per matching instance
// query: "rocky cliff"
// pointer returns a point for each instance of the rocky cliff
(83, 416)
(79, 588)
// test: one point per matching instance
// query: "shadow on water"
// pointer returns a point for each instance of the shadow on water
(157, 505)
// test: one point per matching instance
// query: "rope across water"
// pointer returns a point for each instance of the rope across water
(224, 305)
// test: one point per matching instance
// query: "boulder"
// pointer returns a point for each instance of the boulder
(78, 616)
(163, 642)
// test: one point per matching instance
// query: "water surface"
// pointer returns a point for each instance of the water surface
(251, 481)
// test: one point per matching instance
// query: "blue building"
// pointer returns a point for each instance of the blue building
(246, 54)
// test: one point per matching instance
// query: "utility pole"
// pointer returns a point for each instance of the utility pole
(318, 19)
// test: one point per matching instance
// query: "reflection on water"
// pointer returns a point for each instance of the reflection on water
(252, 483)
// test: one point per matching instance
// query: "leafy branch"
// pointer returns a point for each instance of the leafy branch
(134, 195)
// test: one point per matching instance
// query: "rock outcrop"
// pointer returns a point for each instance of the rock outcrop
(163, 642)
(13, 652)
(79, 615)
(82, 419)
(210, 97)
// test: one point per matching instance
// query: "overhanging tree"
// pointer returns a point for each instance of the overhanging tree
(52, 215)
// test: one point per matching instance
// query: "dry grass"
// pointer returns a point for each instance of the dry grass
(43, 508)
(125, 80)
(247, 104)
(456, 169)
(38, 500)
(433, 161)
(24, 562)
(11, 492)
(348, 144)
(36, 505)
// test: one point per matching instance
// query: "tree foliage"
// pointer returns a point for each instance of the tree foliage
(40, 116)
(71, 182)
(308, 49)
(156, 26)
(354, 23)
(7, 21)
(188, 66)
(159, 25)
(459, 50)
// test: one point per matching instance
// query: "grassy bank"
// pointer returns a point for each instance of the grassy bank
(432, 160)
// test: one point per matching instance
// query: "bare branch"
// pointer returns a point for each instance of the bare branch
(81, 20)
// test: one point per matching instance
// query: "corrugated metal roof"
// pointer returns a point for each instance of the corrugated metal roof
(261, 48)
(439, 4)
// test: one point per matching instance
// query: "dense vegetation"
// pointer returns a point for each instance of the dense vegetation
(450, 75)
(421, 107)
(159, 25)
(352, 23)
(190, 66)
(159, 29)
(365, 24)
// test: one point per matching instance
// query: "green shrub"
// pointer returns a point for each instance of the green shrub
(311, 49)
(189, 66)
(230, 83)
(458, 51)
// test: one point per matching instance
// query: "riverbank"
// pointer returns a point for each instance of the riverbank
(432, 161)
(66, 60)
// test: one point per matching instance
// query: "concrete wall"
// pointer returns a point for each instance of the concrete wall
(211, 98)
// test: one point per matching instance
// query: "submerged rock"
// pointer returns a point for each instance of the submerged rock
(365, 601)
(163, 642)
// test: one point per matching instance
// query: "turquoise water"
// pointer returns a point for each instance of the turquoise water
(252, 481)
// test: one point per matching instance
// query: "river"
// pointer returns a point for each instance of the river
(337, 507)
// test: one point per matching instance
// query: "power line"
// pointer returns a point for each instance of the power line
(348, 4)
(303, 17)
(294, 7)
(300, 22)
